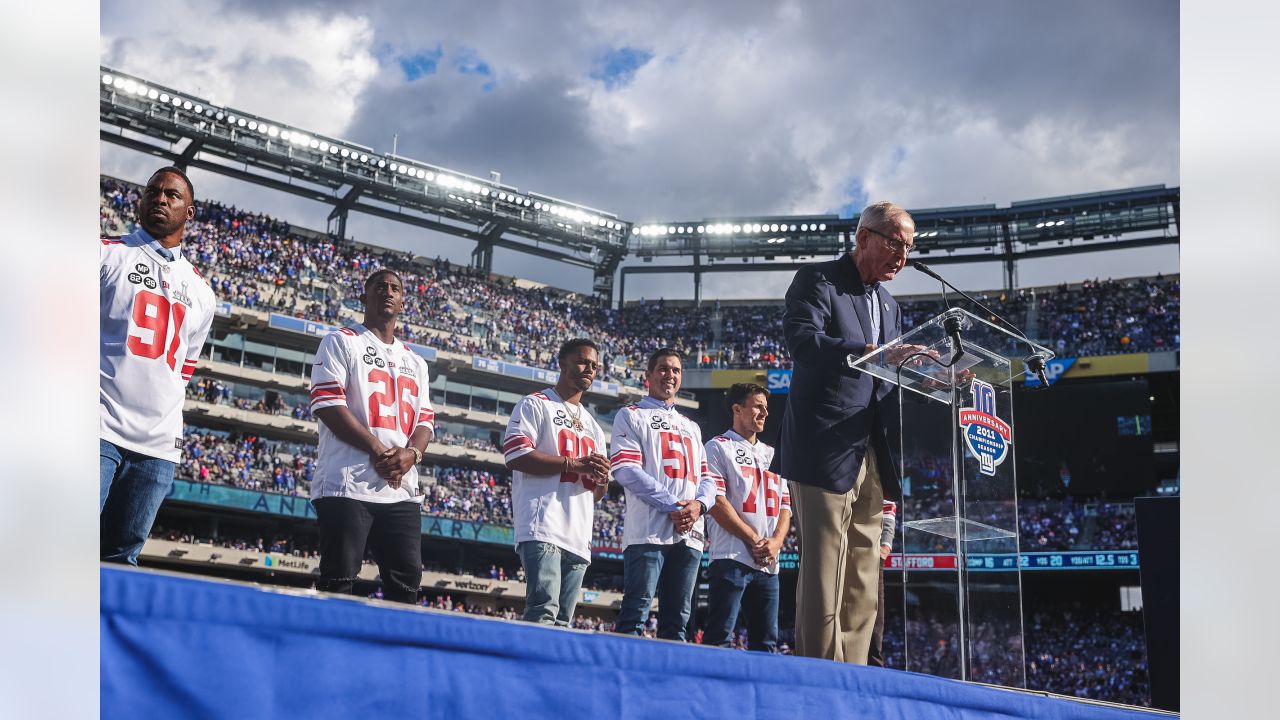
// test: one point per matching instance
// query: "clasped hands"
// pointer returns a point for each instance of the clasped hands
(392, 463)
(765, 550)
(687, 514)
(595, 465)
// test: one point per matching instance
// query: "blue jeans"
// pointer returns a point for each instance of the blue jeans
(553, 577)
(734, 585)
(133, 486)
(671, 570)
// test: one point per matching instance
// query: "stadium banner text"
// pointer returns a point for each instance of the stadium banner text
(525, 372)
(319, 329)
(1101, 366)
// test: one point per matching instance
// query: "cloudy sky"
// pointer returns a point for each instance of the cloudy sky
(675, 110)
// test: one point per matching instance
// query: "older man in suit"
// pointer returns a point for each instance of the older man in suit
(834, 446)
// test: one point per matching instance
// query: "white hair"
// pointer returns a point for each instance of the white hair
(879, 214)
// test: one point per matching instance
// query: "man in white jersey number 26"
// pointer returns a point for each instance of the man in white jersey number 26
(155, 313)
(749, 525)
(659, 460)
(370, 393)
(555, 451)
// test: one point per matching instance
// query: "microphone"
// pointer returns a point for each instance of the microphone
(928, 271)
(1034, 362)
(952, 326)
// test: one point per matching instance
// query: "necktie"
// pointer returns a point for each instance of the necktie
(166, 253)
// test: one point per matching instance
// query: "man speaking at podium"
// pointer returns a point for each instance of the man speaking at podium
(834, 447)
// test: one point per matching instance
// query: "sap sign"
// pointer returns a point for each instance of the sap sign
(779, 381)
(1053, 370)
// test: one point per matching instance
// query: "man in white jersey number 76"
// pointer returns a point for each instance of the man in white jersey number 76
(659, 460)
(371, 395)
(555, 450)
(749, 524)
(155, 312)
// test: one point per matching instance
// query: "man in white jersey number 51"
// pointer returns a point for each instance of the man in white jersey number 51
(555, 450)
(371, 395)
(659, 460)
(155, 312)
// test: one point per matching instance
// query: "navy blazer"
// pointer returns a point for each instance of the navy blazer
(833, 412)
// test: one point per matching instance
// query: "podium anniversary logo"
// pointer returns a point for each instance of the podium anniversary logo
(987, 436)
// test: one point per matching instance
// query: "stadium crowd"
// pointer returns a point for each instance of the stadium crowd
(476, 494)
(258, 262)
(1084, 652)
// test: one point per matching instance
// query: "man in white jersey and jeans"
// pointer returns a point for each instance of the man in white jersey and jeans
(155, 311)
(370, 393)
(749, 524)
(659, 460)
(555, 451)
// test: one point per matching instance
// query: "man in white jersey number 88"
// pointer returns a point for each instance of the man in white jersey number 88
(155, 312)
(659, 460)
(370, 393)
(555, 450)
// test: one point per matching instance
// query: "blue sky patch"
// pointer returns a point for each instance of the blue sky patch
(420, 64)
(467, 61)
(858, 197)
(616, 68)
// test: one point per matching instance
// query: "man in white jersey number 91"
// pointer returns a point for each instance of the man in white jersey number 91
(155, 312)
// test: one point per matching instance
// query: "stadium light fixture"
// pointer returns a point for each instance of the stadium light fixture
(333, 149)
(107, 79)
(382, 163)
(253, 125)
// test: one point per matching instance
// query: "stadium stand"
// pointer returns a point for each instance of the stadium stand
(250, 427)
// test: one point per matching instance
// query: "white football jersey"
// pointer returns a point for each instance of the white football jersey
(557, 509)
(741, 472)
(386, 388)
(667, 446)
(155, 315)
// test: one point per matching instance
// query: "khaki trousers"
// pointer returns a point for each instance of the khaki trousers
(837, 589)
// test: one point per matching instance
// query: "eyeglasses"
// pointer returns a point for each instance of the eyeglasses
(895, 246)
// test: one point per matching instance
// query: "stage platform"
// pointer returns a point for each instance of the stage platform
(176, 646)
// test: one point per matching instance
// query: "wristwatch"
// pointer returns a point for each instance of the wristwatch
(704, 507)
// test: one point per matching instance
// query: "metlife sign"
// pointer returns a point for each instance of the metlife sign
(778, 381)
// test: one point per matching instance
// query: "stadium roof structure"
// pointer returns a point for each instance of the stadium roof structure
(190, 131)
(1135, 217)
(194, 132)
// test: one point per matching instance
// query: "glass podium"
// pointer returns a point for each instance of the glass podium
(962, 587)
